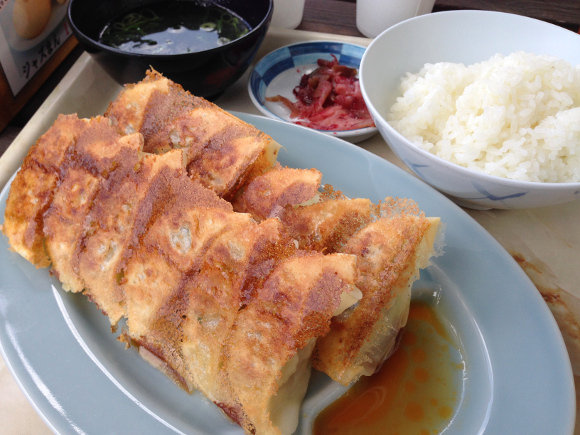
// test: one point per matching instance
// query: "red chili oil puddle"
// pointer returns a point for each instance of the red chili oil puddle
(415, 392)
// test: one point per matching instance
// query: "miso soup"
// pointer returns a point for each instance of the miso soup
(173, 27)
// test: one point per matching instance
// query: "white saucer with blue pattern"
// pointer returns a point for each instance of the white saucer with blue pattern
(280, 71)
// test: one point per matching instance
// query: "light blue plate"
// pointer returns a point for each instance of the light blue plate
(518, 377)
(280, 71)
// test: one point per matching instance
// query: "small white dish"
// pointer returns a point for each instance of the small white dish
(280, 71)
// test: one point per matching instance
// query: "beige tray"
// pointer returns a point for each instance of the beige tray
(545, 242)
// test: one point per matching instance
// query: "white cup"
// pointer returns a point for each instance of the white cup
(287, 13)
(374, 16)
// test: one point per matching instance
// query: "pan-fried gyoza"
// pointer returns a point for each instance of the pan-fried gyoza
(390, 252)
(32, 190)
(392, 242)
(221, 150)
(233, 273)
(266, 195)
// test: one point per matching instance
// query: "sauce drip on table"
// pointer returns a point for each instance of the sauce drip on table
(416, 391)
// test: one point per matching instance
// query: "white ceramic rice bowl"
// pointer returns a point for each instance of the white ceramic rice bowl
(463, 37)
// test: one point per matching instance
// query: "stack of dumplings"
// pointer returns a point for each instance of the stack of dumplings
(233, 274)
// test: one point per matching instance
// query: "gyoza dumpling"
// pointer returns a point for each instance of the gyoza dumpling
(32, 190)
(172, 251)
(122, 213)
(326, 226)
(266, 362)
(390, 252)
(221, 150)
(98, 151)
(234, 268)
(267, 194)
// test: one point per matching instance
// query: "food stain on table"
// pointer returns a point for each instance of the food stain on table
(417, 390)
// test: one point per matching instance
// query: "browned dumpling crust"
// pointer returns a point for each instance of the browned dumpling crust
(120, 216)
(232, 273)
(326, 226)
(221, 150)
(267, 194)
(267, 356)
(99, 151)
(390, 253)
(33, 188)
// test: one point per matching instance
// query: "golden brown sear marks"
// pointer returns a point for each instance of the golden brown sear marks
(64, 224)
(30, 195)
(192, 129)
(164, 114)
(190, 218)
(32, 190)
(169, 252)
(157, 300)
(327, 226)
(149, 107)
(220, 149)
(263, 365)
(174, 247)
(267, 194)
(184, 317)
(235, 265)
(129, 109)
(229, 157)
(184, 235)
(212, 301)
(133, 211)
(270, 246)
(121, 215)
(98, 152)
(390, 252)
(149, 280)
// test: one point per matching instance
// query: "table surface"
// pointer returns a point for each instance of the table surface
(555, 280)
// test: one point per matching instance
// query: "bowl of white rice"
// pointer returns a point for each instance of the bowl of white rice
(483, 106)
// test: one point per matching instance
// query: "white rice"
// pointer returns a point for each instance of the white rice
(515, 116)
